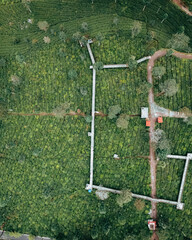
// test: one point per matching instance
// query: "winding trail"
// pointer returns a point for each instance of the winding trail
(182, 7)
(152, 118)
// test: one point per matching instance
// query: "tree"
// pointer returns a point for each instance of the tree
(189, 121)
(15, 80)
(61, 110)
(98, 66)
(158, 71)
(132, 63)
(136, 28)
(106, 228)
(72, 74)
(76, 36)
(121, 220)
(139, 204)
(124, 197)
(94, 233)
(84, 27)
(46, 40)
(165, 16)
(122, 121)
(169, 87)
(62, 36)
(100, 37)
(113, 111)
(43, 25)
(179, 41)
(115, 21)
(144, 88)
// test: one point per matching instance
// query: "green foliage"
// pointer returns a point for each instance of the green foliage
(76, 36)
(20, 58)
(62, 36)
(102, 208)
(179, 41)
(83, 91)
(2, 62)
(98, 66)
(84, 27)
(121, 220)
(113, 111)
(136, 28)
(132, 63)
(94, 233)
(88, 119)
(159, 71)
(106, 228)
(61, 110)
(3, 110)
(122, 121)
(169, 87)
(124, 197)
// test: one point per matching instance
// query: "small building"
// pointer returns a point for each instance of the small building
(144, 112)
(148, 123)
(160, 120)
(152, 224)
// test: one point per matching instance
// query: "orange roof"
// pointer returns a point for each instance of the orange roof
(148, 123)
(160, 119)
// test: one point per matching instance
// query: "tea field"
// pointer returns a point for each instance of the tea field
(44, 159)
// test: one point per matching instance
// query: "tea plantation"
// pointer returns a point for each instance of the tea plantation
(45, 156)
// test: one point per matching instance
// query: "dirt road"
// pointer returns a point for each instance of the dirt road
(182, 7)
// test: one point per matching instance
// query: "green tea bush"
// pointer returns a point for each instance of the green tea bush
(132, 63)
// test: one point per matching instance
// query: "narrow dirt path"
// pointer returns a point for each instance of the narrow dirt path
(72, 113)
(182, 7)
(152, 118)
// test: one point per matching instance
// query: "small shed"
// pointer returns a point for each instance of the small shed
(152, 224)
(148, 124)
(144, 112)
(160, 120)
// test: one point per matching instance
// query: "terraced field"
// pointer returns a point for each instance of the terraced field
(44, 158)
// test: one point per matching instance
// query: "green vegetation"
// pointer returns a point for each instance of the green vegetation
(45, 115)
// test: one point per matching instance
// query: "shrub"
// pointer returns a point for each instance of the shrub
(136, 28)
(113, 111)
(115, 21)
(102, 195)
(61, 110)
(122, 123)
(158, 71)
(2, 62)
(62, 36)
(102, 208)
(3, 110)
(121, 220)
(124, 197)
(46, 40)
(169, 87)
(179, 41)
(106, 228)
(100, 37)
(94, 233)
(98, 66)
(19, 58)
(83, 40)
(43, 25)
(189, 121)
(83, 91)
(132, 63)
(76, 36)
(88, 119)
(139, 204)
(84, 27)
(15, 80)
(72, 74)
